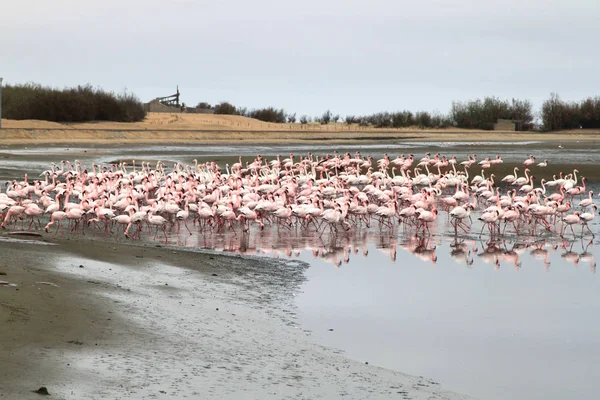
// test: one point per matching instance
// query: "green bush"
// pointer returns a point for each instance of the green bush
(269, 114)
(78, 104)
(482, 114)
(557, 114)
(226, 108)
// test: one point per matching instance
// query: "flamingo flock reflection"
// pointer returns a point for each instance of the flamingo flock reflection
(326, 198)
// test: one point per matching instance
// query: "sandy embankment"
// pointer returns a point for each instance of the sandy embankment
(106, 320)
(206, 128)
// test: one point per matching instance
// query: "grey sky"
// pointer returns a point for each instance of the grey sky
(350, 56)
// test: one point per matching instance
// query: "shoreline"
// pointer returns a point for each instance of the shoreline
(226, 137)
(99, 319)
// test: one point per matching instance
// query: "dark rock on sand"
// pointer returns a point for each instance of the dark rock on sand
(43, 391)
(25, 233)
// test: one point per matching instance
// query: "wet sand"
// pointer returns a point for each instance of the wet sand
(91, 137)
(93, 319)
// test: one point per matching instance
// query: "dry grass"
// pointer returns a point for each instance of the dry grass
(235, 129)
(193, 122)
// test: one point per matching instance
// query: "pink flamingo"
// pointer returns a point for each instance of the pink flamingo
(158, 222)
(183, 215)
(56, 218)
(529, 161)
(34, 211)
(490, 219)
(124, 221)
(587, 202)
(13, 212)
(570, 220)
(426, 217)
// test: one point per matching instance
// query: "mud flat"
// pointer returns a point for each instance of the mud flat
(96, 136)
(92, 319)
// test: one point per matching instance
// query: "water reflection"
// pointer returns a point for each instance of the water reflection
(399, 246)
(496, 319)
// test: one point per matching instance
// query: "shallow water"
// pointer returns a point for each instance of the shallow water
(520, 329)
(505, 318)
(18, 159)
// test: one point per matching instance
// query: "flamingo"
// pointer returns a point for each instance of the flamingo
(529, 161)
(459, 213)
(426, 217)
(13, 212)
(509, 179)
(56, 218)
(124, 221)
(570, 220)
(158, 222)
(588, 217)
(183, 215)
(489, 219)
(586, 202)
(522, 180)
(527, 188)
(33, 211)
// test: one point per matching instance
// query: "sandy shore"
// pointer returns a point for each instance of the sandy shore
(107, 320)
(227, 129)
(31, 137)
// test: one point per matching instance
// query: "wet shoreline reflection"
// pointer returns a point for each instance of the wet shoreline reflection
(344, 248)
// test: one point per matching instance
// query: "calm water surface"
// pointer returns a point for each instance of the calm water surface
(509, 318)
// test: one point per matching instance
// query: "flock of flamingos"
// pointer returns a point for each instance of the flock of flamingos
(333, 193)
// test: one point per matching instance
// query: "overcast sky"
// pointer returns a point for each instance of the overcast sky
(351, 56)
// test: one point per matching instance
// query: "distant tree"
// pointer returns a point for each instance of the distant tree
(483, 114)
(325, 118)
(75, 104)
(291, 118)
(225, 108)
(304, 119)
(552, 113)
(335, 118)
(557, 114)
(350, 119)
(204, 105)
(363, 120)
(269, 114)
(522, 111)
(243, 111)
(439, 120)
(423, 119)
